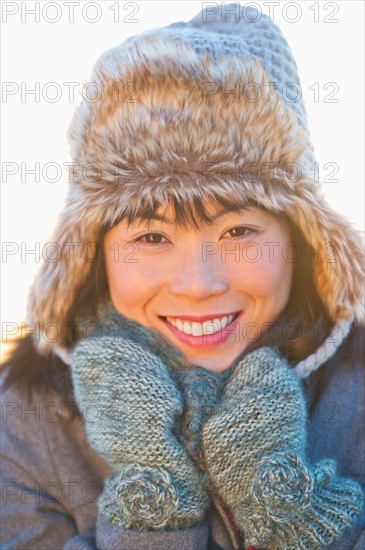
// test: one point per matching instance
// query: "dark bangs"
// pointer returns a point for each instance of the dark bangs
(192, 214)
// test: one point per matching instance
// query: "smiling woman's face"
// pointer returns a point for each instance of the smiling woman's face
(209, 291)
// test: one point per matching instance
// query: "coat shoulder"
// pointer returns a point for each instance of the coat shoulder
(336, 408)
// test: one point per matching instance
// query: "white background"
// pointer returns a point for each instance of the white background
(65, 51)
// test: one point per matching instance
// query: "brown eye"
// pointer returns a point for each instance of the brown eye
(239, 231)
(151, 238)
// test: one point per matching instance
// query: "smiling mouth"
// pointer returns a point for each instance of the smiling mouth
(195, 328)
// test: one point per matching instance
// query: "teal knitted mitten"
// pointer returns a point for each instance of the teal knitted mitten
(154, 485)
(254, 449)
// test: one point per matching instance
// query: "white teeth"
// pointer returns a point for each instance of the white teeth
(187, 328)
(198, 329)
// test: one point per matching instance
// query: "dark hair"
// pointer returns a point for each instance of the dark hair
(305, 315)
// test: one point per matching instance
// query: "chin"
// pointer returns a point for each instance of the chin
(211, 365)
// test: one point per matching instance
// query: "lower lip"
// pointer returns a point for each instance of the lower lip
(205, 340)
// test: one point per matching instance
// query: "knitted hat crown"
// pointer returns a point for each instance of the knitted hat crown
(209, 109)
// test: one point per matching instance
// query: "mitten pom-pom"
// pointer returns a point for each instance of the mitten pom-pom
(282, 485)
(139, 497)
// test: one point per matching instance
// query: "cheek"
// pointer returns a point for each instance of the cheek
(131, 282)
(264, 272)
(274, 279)
(124, 281)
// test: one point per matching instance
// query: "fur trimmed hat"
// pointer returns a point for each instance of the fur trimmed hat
(211, 108)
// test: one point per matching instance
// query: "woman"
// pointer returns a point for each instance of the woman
(203, 322)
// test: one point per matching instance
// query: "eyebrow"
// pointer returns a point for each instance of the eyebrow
(224, 210)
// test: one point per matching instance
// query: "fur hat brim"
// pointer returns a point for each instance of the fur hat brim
(166, 138)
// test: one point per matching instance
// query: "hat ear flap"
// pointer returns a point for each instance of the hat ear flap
(338, 258)
(60, 277)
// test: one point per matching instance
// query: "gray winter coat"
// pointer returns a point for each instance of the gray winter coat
(51, 477)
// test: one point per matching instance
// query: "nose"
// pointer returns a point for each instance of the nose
(195, 279)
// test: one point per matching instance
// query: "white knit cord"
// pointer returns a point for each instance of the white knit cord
(311, 363)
